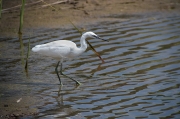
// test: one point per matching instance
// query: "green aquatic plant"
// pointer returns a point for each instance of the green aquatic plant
(0, 8)
(21, 48)
(20, 36)
(27, 55)
(21, 16)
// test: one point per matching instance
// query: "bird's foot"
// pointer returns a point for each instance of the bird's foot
(61, 84)
(78, 83)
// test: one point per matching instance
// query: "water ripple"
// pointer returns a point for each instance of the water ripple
(140, 78)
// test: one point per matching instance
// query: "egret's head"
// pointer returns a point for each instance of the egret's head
(93, 35)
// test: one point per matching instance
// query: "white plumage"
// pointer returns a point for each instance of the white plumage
(64, 49)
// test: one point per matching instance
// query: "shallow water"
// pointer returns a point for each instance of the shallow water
(140, 78)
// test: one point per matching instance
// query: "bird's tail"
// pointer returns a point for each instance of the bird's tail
(36, 48)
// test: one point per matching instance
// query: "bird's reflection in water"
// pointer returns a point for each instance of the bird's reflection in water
(96, 70)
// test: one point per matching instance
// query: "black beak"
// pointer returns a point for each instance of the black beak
(100, 38)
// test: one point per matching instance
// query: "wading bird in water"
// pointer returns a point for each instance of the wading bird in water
(64, 49)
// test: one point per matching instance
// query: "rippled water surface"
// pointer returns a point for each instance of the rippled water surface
(139, 79)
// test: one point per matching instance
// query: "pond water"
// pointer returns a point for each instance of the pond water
(139, 79)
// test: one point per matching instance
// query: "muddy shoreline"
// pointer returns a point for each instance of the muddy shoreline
(56, 14)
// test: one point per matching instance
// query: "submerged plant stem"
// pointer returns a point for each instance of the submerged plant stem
(22, 48)
(27, 56)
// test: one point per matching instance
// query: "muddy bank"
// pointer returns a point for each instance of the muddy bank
(56, 14)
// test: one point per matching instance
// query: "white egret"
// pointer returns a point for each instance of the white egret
(64, 49)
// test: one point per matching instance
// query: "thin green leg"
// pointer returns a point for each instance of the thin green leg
(77, 82)
(56, 70)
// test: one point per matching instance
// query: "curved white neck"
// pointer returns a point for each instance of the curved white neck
(83, 46)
